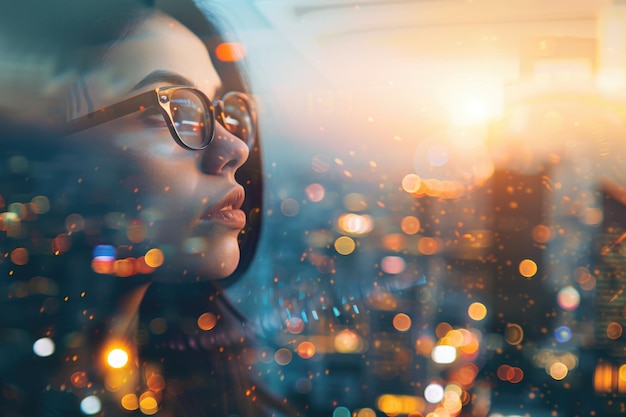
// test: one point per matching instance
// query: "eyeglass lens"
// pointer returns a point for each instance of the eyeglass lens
(190, 118)
(238, 117)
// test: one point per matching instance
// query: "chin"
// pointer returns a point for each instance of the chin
(218, 261)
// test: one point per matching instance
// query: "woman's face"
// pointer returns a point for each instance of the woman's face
(185, 203)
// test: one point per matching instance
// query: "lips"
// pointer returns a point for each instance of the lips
(228, 210)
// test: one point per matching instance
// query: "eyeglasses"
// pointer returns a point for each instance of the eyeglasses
(189, 114)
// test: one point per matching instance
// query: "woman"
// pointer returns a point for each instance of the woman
(120, 221)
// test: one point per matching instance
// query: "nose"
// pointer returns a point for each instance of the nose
(225, 154)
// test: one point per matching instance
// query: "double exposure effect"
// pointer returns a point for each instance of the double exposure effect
(442, 229)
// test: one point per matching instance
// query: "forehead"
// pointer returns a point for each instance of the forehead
(158, 43)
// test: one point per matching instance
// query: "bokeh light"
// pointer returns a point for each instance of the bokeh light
(392, 264)
(283, 356)
(411, 183)
(306, 350)
(19, 256)
(295, 325)
(344, 245)
(443, 354)
(558, 371)
(91, 405)
(315, 192)
(289, 207)
(40, 204)
(348, 341)
(563, 334)
(43, 347)
(341, 412)
(355, 224)
(207, 321)
(117, 358)
(130, 402)
(568, 298)
(401, 322)
(433, 393)
(528, 268)
(513, 334)
(477, 311)
(154, 258)
(614, 330)
(355, 202)
(410, 225)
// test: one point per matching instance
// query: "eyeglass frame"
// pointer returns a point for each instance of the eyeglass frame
(152, 98)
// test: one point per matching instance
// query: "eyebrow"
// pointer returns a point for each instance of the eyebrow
(161, 76)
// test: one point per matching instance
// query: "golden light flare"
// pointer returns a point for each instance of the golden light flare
(355, 224)
(345, 245)
(148, 403)
(154, 258)
(130, 402)
(117, 358)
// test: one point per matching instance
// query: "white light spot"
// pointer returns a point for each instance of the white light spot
(43, 347)
(443, 354)
(91, 405)
(433, 393)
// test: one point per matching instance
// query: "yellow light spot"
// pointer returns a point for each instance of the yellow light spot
(148, 404)
(117, 358)
(154, 258)
(402, 322)
(366, 412)
(130, 402)
(527, 268)
(207, 321)
(477, 311)
(411, 183)
(347, 341)
(355, 224)
(345, 245)
(558, 371)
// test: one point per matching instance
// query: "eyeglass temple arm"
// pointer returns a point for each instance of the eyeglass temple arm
(106, 114)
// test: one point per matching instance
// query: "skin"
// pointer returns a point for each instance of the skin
(152, 179)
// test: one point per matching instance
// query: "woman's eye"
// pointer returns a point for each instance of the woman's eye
(153, 119)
